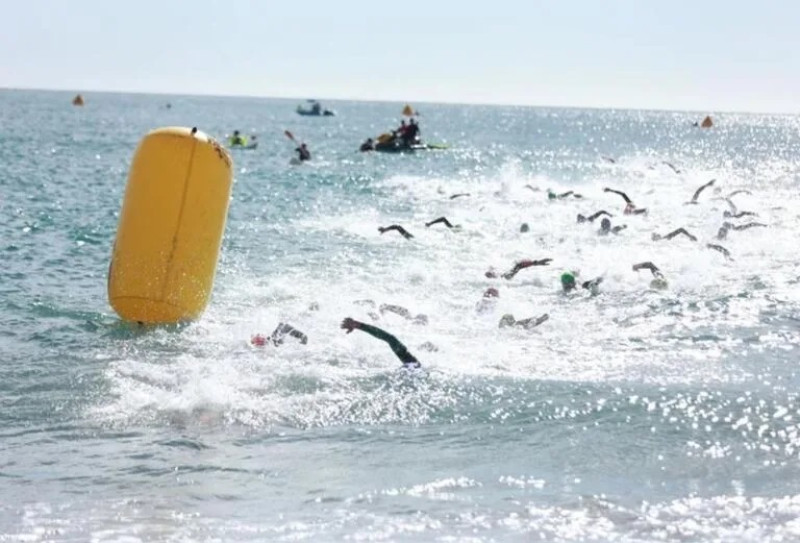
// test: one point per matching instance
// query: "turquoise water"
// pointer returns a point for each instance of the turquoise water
(633, 415)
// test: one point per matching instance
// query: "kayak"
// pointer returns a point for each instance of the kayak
(246, 146)
(414, 147)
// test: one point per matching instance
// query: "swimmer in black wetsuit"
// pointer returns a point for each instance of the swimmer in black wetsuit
(630, 207)
(442, 220)
(722, 233)
(529, 323)
(605, 227)
(659, 281)
(672, 234)
(400, 350)
(593, 216)
(396, 227)
(278, 336)
(698, 191)
(518, 266)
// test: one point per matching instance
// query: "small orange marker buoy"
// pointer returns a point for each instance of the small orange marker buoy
(707, 122)
(78, 100)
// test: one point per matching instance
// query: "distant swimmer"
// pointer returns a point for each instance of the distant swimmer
(672, 167)
(659, 282)
(303, 153)
(676, 232)
(278, 336)
(529, 323)
(489, 300)
(555, 196)
(609, 159)
(630, 207)
(441, 220)
(720, 249)
(368, 145)
(722, 233)
(569, 283)
(606, 228)
(398, 228)
(403, 312)
(519, 266)
(400, 350)
(734, 213)
(459, 195)
(524, 228)
(593, 216)
(698, 191)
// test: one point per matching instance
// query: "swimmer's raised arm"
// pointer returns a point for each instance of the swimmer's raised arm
(701, 189)
(648, 266)
(397, 347)
(522, 264)
(674, 233)
(720, 249)
(396, 227)
(624, 196)
(442, 220)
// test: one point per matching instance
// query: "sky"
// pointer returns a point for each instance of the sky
(698, 55)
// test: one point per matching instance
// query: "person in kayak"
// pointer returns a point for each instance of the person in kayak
(400, 350)
(237, 138)
(278, 336)
(411, 134)
(303, 153)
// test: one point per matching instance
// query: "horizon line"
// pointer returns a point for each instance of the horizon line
(396, 101)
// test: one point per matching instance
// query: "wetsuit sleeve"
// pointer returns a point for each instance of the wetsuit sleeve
(397, 347)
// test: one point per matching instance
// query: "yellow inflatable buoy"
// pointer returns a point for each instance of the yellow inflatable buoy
(78, 100)
(170, 227)
(707, 122)
(408, 111)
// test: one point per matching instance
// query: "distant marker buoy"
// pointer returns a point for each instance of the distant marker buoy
(707, 122)
(78, 100)
(170, 227)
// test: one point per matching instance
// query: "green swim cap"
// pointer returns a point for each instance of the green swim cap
(567, 279)
(550, 194)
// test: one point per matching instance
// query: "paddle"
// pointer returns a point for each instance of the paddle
(290, 135)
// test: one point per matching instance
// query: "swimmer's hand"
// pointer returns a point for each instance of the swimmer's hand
(349, 324)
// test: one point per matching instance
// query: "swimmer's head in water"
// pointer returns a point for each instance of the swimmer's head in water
(567, 281)
(659, 283)
(258, 340)
(491, 273)
(524, 227)
(581, 218)
(551, 195)
(629, 208)
(507, 320)
(491, 292)
(605, 224)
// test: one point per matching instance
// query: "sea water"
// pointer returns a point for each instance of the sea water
(630, 415)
